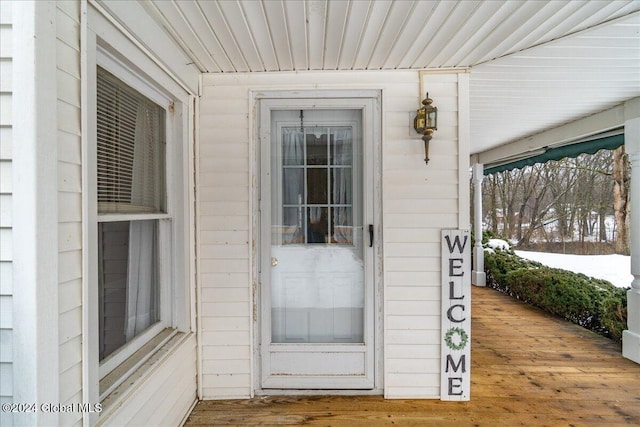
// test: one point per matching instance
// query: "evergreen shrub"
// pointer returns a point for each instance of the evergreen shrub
(592, 303)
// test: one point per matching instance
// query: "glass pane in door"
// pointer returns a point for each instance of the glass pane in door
(317, 268)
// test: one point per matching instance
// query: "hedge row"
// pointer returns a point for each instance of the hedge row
(592, 303)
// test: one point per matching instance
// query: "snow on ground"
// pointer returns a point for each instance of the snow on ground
(614, 268)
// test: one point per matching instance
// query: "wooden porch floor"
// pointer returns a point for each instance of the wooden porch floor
(528, 369)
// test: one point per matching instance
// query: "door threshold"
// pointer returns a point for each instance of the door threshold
(317, 392)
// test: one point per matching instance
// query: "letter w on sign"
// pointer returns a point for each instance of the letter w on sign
(456, 243)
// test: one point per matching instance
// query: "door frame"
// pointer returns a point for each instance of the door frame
(263, 102)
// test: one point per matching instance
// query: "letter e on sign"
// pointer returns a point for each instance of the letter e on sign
(455, 374)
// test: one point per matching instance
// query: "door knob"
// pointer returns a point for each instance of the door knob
(274, 262)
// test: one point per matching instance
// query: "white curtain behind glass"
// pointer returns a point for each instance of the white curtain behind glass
(141, 276)
(293, 192)
(342, 186)
(147, 187)
(292, 185)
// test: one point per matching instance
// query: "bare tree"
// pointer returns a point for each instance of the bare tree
(568, 200)
(621, 179)
(561, 186)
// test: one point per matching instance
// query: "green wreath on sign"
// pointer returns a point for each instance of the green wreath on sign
(464, 338)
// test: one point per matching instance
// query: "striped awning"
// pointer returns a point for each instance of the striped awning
(590, 146)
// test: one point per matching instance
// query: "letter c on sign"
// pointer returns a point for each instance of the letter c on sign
(450, 314)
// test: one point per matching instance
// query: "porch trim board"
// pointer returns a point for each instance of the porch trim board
(631, 336)
(135, 24)
(606, 120)
(36, 369)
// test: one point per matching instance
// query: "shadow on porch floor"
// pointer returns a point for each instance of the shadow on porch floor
(528, 368)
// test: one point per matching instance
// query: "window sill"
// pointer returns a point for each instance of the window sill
(136, 369)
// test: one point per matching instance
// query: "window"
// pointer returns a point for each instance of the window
(131, 149)
(317, 205)
(133, 224)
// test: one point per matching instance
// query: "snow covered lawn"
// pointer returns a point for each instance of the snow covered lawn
(614, 268)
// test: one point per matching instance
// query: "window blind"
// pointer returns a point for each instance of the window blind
(130, 149)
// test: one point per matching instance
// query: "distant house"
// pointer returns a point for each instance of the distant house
(212, 200)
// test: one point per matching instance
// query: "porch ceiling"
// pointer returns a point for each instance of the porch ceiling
(534, 64)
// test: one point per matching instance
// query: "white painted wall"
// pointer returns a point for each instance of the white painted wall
(6, 214)
(418, 201)
(223, 222)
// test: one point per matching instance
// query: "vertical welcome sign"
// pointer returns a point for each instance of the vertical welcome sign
(455, 382)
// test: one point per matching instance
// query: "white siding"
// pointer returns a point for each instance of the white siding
(166, 397)
(6, 281)
(224, 253)
(418, 200)
(69, 207)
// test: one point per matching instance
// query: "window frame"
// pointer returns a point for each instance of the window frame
(170, 282)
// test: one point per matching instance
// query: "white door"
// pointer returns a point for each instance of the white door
(317, 254)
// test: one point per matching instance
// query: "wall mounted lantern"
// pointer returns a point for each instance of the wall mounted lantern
(425, 122)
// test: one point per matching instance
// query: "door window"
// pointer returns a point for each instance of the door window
(317, 185)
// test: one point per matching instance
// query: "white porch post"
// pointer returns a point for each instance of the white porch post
(631, 337)
(478, 276)
(35, 207)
